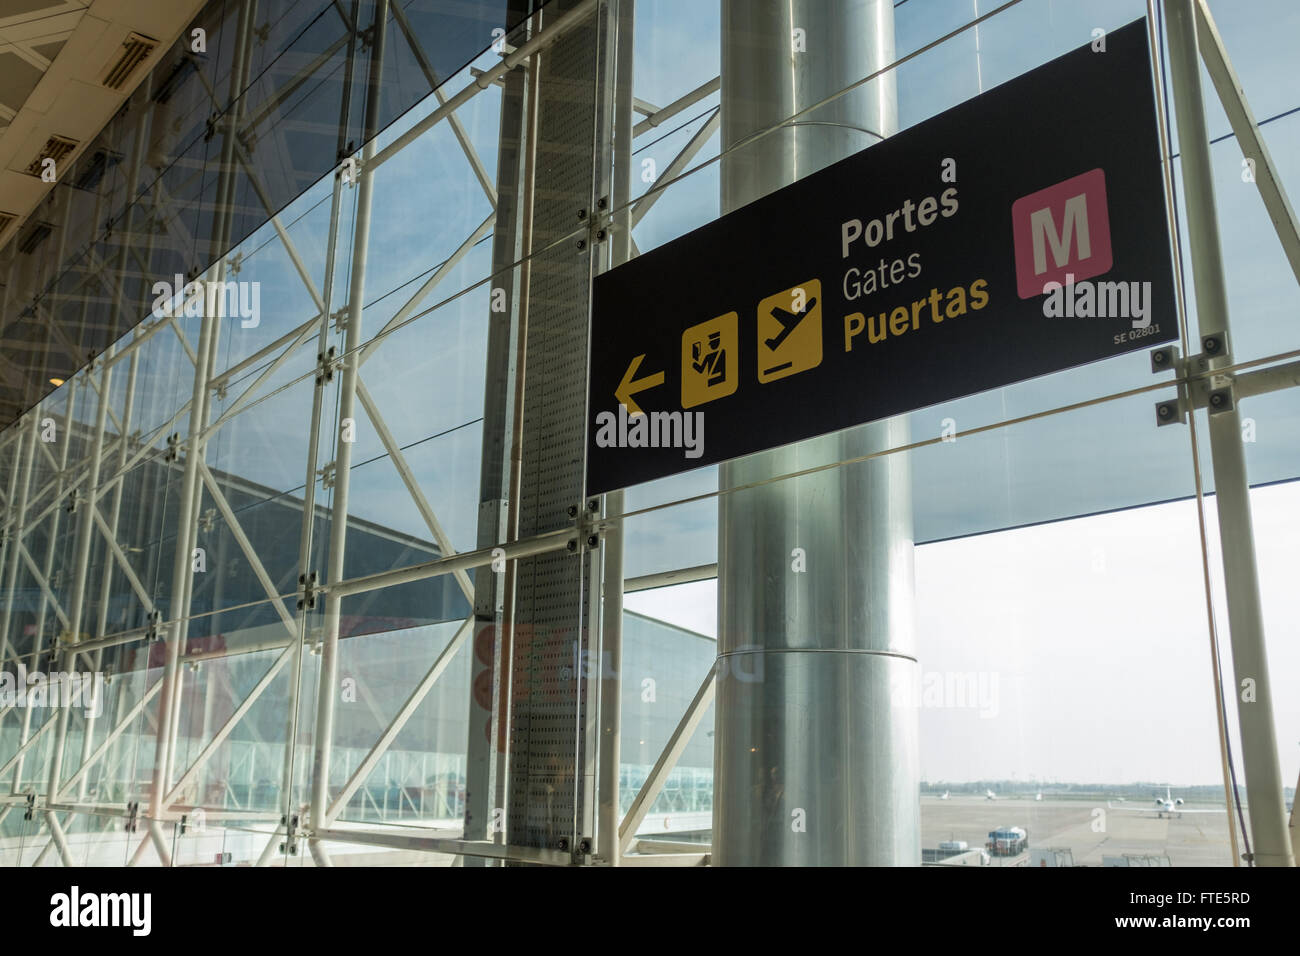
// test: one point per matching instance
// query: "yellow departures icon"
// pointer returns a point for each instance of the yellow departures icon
(790, 331)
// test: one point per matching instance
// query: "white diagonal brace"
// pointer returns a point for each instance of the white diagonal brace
(185, 343)
(395, 455)
(538, 41)
(672, 752)
(1233, 98)
(125, 721)
(305, 332)
(122, 561)
(40, 579)
(658, 116)
(457, 127)
(443, 271)
(25, 747)
(250, 170)
(49, 455)
(99, 390)
(274, 348)
(289, 247)
(643, 205)
(57, 839)
(65, 489)
(245, 545)
(220, 736)
(395, 726)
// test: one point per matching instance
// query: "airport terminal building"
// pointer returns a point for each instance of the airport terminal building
(649, 432)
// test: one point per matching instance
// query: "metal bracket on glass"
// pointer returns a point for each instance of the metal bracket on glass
(587, 525)
(290, 845)
(154, 630)
(173, 447)
(1199, 383)
(70, 506)
(1219, 397)
(582, 852)
(340, 319)
(30, 812)
(132, 817)
(367, 37)
(327, 473)
(349, 166)
(326, 364)
(308, 584)
(598, 226)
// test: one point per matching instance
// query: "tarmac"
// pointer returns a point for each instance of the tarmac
(1194, 839)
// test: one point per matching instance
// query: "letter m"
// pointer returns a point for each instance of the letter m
(1070, 220)
(1044, 233)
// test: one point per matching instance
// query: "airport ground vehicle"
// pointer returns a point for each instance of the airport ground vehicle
(1007, 841)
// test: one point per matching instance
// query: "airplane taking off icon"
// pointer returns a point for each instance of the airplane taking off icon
(789, 322)
(1168, 804)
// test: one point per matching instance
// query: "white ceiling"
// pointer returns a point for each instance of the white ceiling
(53, 54)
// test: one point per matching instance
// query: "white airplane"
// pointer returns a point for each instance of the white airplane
(945, 795)
(990, 795)
(1168, 804)
(1038, 795)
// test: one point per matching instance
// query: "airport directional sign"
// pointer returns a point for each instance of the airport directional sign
(1022, 232)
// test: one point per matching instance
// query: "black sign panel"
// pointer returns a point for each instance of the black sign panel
(1020, 233)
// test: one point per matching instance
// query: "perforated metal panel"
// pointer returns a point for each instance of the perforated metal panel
(548, 696)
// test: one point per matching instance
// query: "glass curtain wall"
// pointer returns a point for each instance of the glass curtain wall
(314, 553)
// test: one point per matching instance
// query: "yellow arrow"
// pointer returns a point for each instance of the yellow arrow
(627, 388)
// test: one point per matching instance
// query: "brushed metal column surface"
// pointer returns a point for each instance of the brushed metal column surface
(813, 763)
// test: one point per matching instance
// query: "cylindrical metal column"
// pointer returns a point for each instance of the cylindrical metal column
(43, 605)
(1272, 843)
(813, 763)
(24, 447)
(328, 677)
(182, 565)
(611, 625)
(106, 583)
(81, 568)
